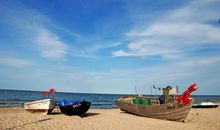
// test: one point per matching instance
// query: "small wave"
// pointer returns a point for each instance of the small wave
(11, 104)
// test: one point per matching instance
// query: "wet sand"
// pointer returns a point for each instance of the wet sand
(105, 119)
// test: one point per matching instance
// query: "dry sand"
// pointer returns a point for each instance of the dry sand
(105, 119)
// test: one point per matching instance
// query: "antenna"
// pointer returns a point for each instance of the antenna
(135, 89)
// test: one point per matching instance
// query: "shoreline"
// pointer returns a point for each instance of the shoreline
(105, 119)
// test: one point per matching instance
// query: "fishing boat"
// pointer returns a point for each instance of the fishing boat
(205, 105)
(74, 108)
(174, 109)
(44, 106)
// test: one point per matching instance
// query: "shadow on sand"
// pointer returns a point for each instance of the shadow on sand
(84, 115)
(91, 114)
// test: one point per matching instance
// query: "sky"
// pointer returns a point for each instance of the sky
(110, 46)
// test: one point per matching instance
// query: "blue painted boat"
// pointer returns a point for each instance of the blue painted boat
(205, 105)
(77, 107)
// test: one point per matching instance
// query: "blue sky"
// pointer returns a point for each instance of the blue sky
(109, 46)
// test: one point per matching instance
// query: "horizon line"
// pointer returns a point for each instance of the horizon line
(103, 92)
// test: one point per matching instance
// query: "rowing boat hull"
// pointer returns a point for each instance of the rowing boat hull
(204, 106)
(45, 106)
(77, 109)
(169, 111)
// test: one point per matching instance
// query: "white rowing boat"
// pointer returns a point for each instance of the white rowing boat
(44, 106)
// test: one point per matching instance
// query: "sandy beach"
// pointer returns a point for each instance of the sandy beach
(105, 119)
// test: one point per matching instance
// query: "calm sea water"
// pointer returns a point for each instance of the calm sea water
(17, 98)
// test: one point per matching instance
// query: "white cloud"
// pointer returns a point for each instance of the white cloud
(200, 62)
(197, 11)
(36, 28)
(49, 45)
(15, 62)
(176, 33)
(92, 51)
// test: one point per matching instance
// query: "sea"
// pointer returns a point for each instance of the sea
(17, 98)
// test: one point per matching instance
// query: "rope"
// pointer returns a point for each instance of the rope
(196, 115)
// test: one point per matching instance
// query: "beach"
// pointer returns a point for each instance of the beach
(105, 119)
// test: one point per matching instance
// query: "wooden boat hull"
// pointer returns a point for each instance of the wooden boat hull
(169, 111)
(77, 109)
(45, 106)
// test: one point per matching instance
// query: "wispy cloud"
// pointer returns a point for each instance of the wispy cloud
(50, 45)
(15, 62)
(176, 33)
(93, 50)
(200, 62)
(36, 28)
